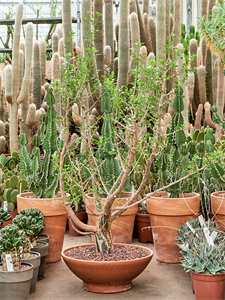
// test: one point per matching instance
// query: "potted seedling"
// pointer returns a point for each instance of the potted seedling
(31, 222)
(43, 177)
(202, 248)
(11, 270)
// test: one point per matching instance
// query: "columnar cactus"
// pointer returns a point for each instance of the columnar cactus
(147, 33)
(55, 42)
(141, 24)
(152, 31)
(14, 100)
(67, 25)
(135, 41)
(43, 60)
(202, 84)
(177, 20)
(43, 177)
(145, 7)
(37, 75)
(161, 29)
(193, 65)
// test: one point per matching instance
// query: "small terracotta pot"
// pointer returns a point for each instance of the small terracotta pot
(208, 286)
(122, 227)
(143, 221)
(192, 282)
(13, 214)
(218, 209)
(55, 217)
(82, 216)
(107, 276)
(166, 215)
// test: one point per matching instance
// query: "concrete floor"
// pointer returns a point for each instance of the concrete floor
(159, 281)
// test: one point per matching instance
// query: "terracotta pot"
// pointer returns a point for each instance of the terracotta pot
(192, 281)
(142, 221)
(7, 154)
(166, 215)
(122, 227)
(208, 286)
(218, 209)
(55, 217)
(13, 214)
(107, 276)
(82, 216)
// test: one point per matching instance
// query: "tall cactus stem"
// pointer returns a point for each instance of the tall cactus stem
(177, 20)
(59, 31)
(198, 119)
(145, 7)
(160, 29)
(107, 56)
(109, 31)
(208, 117)
(67, 25)
(215, 67)
(171, 23)
(123, 65)
(55, 42)
(141, 24)
(43, 60)
(147, 33)
(193, 64)
(202, 84)
(36, 75)
(208, 69)
(152, 31)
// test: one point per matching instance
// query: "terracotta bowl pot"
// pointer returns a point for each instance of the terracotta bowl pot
(166, 215)
(55, 218)
(208, 286)
(218, 209)
(107, 276)
(122, 227)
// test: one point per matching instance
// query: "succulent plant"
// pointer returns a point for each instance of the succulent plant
(4, 216)
(31, 222)
(199, 254)
(42, 175)
(12, 238)
(185, 37)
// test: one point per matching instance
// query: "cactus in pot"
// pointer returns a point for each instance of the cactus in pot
(31, 222)
(12, 238)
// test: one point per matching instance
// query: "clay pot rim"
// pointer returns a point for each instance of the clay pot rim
(217, 194)
(107, 262)
(192, 196)
(209, 275)
(23, 195)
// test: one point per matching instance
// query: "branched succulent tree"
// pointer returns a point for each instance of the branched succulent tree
(40, 171)
(31, 222)
(12, 238)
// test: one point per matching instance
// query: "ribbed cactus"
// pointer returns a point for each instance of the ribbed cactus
(43, 60)
(37, 75)
(31, 222)
(42, 175)
(193, 64)
(202, 84)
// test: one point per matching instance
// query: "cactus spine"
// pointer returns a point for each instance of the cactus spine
(109, 41)
(123, 65)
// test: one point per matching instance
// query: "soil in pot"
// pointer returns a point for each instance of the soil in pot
(102, 273)
(16, 285)
(34, 260)
(42, 248)
(208, 286)
(143, 226)
(82, 216)
(166, 215)
(43, 238)
(122, 227)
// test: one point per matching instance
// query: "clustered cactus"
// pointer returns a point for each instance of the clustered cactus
(31, 222)
(4, 216)
(42, 175)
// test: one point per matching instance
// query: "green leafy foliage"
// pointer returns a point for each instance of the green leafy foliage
(41, 171)
(185, 38)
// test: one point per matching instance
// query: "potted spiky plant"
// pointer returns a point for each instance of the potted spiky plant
(11, 270)
(202, 249)
(43, 177)
(31, 222)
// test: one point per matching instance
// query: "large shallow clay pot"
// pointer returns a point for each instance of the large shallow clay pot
(82, 216)
(15, 285)
(107, 276)
(13, 214)
(143, 221)
(218, 208)
(166, 215)
(55, 217)
(208, 286)
(122, 227)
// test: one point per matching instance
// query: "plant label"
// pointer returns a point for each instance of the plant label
(201, 221)
(21, 251)
(5, 206)
(9, 264)
(213, 235)
(208, 237)
(191, 228)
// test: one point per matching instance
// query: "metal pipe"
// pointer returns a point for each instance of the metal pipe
(35, 21)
